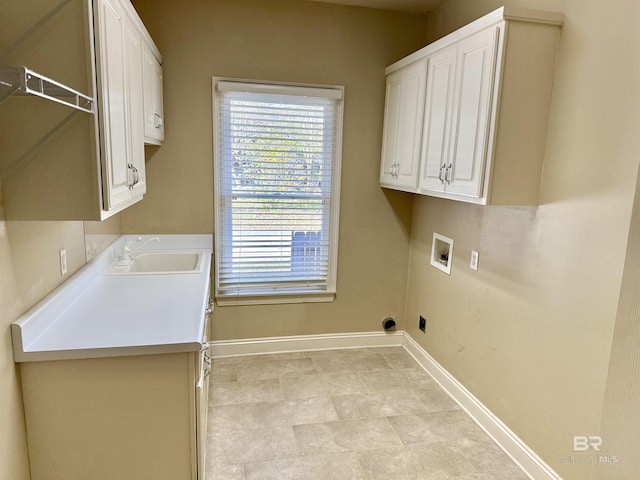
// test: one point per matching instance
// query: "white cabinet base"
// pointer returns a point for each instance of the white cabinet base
(125, 418)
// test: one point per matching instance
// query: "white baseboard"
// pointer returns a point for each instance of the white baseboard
(512, 445)
(257, 346)
(508, 441)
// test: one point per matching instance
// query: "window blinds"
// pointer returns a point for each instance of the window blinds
(276, 150)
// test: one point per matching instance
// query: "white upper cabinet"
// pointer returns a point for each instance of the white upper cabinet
(121, 47)
(437, 121)
(404, 109)
(471, 113)
(135, 128)
(110, 32)
(458, 109)
(120, 84)
(488, 91)
(153, 104)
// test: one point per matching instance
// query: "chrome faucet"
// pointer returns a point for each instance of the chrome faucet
(131, 246)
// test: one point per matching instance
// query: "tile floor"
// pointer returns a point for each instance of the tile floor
(369, 413)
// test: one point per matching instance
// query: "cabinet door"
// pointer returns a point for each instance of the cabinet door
(113, 111)
(471, 113)
(202, 399)
(118, 418)
(135, 112)
(153, 104)
(390, 128)
(204, 367)
(404, 108)
(119, 52)
(437, 121)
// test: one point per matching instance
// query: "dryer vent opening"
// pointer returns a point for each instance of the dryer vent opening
(389, 324)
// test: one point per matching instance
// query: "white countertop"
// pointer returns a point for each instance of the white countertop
(96, 315)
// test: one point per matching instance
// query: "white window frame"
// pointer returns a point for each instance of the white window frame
(327, 293)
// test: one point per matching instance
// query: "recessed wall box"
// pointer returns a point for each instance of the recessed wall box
(442, 253)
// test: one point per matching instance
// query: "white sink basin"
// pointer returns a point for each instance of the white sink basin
(158, 263)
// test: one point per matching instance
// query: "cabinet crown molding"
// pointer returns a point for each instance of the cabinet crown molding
(506, 13)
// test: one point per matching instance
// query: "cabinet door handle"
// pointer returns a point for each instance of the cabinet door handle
(440, 173)
(133, 177)
(210, 307)
(447, 174)
(131, 181)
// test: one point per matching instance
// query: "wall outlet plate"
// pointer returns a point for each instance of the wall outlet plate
(63, 261)
(473, 263)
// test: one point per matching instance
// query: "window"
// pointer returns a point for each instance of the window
(277, 186)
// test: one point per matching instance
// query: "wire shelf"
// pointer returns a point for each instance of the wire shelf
(22, 81)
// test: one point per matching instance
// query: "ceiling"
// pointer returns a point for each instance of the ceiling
(412, 6)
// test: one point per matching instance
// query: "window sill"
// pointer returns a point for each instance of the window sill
(273, 299)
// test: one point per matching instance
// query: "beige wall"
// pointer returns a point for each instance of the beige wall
(288, 41)
(620, 425)
(530, 333)
(13, 446)
(29, 270)
(48, 164)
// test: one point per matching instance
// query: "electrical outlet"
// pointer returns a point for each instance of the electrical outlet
(423, 324)
(63, 261)
(473, 263)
